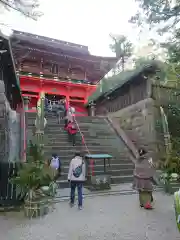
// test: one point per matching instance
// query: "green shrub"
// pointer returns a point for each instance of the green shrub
(34, 173)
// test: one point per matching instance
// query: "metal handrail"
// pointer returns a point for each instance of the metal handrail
(82, 136)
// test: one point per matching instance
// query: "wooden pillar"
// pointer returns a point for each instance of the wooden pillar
(67, 103)
(67, 98)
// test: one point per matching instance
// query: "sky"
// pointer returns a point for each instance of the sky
(86, 22)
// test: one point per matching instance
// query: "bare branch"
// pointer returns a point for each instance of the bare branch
(28, 9)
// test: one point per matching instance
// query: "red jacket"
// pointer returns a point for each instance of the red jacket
(71, 128)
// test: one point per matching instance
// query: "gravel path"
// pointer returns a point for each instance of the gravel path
(108, 217)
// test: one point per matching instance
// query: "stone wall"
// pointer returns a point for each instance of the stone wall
(14, 136)
(10, 130)
(3, 124)
(139, 123)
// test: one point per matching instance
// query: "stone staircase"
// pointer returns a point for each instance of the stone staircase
(99, 138)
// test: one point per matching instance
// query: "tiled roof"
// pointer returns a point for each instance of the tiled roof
(109, 85)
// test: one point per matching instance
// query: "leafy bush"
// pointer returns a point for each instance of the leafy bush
(34, 173)
(170, 164)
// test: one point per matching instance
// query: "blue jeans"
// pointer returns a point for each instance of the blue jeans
(79, 189)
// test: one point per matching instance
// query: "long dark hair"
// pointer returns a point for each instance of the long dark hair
(78, 154)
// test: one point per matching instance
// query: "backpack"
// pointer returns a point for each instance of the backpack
(77, 171)
(55, 163)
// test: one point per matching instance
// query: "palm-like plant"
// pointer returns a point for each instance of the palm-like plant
(34, 173)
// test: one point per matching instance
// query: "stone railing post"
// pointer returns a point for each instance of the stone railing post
(26, 103)
(92, 108)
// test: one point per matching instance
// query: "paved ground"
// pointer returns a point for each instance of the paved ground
(108, 217)
(125, 188)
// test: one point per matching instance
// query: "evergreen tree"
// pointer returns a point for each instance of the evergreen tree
(123, 49)
(162, 13)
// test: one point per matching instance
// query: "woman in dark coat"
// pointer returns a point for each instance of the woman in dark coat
(143, 176)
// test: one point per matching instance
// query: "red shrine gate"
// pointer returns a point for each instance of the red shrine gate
(58, 68)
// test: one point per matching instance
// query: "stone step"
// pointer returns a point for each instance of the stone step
(59, 135)
(59, 140)
(63, 184)
(69, 154)
(66, 152)
(100, 162)
(78, 119)
(92, 149)
(119, 164)
(90, 120)
(95, 126)
(49, 145)
(98, 167)
(114, 180)
(60, 128)
(65, 143)
(121, 179)
(56, 122)
(87, 133)
(90, 144)
(54, 145)
(52, 116)
(89, 140)
(70, 148)
(99, 140)
(62, 137)
(99, 137)
(117, 172)
(99, 149)
(79, 122)
(99, 130)
(102, 132)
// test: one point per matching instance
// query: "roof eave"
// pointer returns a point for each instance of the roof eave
(11, 59)
(54, 43)
(111, 61)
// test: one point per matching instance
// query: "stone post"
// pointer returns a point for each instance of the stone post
(92, 108)
(26, 103)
